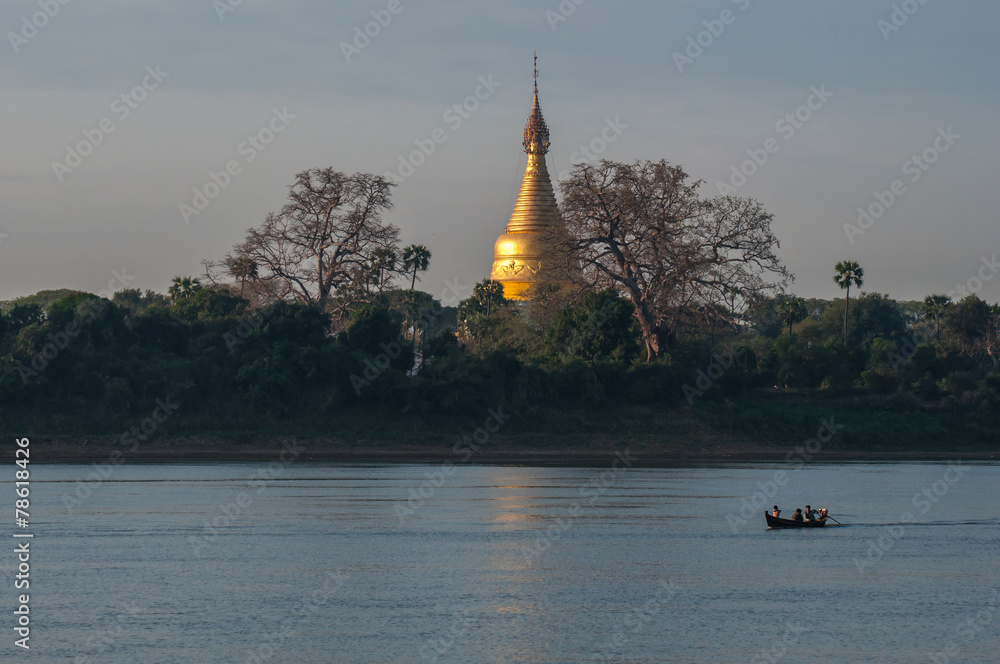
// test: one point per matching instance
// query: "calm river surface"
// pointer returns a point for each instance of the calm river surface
(347, 563)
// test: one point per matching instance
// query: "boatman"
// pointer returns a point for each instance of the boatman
(810, 513)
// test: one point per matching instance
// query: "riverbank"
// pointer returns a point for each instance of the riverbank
(185, 450)
(747, 430)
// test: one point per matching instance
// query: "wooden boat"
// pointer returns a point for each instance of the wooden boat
(778, 522)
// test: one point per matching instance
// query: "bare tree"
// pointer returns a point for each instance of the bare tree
(683, 261)
(315, 249)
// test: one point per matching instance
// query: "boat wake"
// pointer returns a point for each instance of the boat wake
(925, 524)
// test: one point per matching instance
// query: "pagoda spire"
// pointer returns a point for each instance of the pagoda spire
(536, 132)
(520, 251)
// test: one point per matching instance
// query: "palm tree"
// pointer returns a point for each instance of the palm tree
(183, 287)
(848, 273)
(791, 310)
(241, 268)
(487, 293)
(419, 311)
(416, 258)
(383, 261)
(935, 306)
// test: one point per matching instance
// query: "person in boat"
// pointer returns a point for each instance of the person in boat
(775, 512)
(811, 514)
(798, 515)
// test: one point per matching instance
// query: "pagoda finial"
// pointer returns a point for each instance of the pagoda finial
(536, 132)
(536, 72)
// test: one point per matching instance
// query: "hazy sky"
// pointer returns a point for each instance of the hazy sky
(212, 74)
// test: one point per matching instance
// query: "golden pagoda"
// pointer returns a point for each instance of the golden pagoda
(519, 252)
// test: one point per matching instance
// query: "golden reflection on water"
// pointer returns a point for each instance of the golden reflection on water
(511, 493)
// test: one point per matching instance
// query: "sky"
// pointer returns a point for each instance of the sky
(114, 115)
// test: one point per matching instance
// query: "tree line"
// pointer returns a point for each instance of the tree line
(652, 294)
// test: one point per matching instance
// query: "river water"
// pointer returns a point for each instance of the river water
(297, 562)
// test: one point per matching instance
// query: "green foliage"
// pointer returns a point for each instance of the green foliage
(475, 312)
(416, 259)
(934, 308)
(871, 316)
(812, 359)
(924, 360)
(159, 328)
(42, 299)
(487, 297)
(879, 382)
(849, 273)
(375, 332)
(90, 362)
(294, 323)
(21, 316)
(973, 327)
(132, 301)
(506, 330)
(958, 384)
(601, 328)
(791, 310)
(209, 304)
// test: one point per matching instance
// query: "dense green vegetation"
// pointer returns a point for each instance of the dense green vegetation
(669, 325)
(76, 365)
